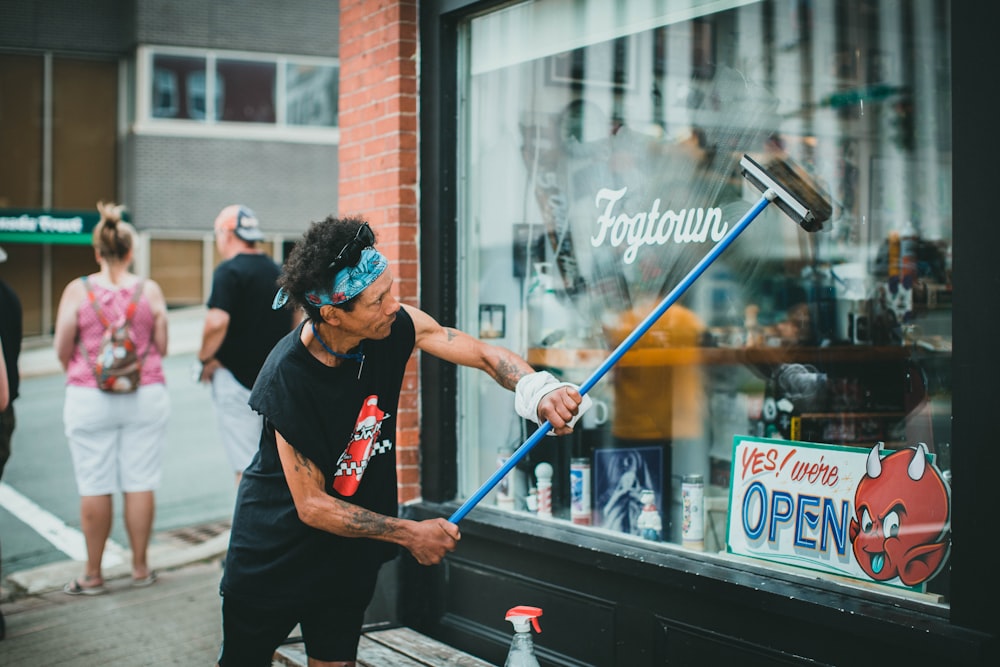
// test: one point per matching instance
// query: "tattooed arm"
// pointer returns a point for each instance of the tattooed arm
(499, 363)
(429, 541)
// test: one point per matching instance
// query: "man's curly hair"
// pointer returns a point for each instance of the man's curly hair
(307, 265)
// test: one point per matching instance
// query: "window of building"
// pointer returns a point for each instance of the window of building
(602, 159)
(196, 92)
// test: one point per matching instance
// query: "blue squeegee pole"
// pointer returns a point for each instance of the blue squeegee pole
(616, 355)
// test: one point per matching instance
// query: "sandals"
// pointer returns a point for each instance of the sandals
(148, 580)
(76, 588)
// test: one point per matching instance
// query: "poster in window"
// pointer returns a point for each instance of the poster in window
(620, 476)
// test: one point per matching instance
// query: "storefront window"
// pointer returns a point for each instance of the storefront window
(603, 159)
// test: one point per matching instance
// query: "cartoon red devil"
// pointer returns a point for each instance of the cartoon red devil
(902, 517)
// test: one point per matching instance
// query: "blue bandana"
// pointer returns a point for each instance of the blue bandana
(347, 284)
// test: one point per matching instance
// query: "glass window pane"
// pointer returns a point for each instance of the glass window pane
(245, 91)
(178, 87)
(311, 95)
(601, 175)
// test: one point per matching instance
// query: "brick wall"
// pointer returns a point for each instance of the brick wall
(378, 166)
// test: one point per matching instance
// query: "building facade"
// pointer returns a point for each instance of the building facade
(579, 163)
(546, 174)
(175, 109)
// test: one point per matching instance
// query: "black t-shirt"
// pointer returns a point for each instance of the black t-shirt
(244, 286)
(343, 424)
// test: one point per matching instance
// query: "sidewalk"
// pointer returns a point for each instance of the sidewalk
(177, 620)
(37, 358)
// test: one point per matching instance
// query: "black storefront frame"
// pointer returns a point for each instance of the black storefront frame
(825, 623)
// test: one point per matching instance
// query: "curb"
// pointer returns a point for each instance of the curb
(162, 557)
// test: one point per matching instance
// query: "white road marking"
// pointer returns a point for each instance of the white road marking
(68, 540)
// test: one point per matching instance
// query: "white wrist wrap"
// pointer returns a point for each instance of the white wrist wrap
(532, 388)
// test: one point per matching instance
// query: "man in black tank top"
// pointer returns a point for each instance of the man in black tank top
(316, 510)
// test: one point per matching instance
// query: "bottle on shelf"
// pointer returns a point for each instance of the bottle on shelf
(650, 524)
(693, 503)
(579, 486)
(522, 646)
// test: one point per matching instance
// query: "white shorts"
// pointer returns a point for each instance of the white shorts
(116, 440)
(239, 424)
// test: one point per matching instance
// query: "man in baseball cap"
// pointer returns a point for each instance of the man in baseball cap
(240, 329)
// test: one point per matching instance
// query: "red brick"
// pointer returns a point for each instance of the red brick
(408, 494)
(408, 457)
(409, 476)
(378, 164)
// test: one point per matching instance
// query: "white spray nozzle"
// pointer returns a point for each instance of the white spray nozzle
(524, 618)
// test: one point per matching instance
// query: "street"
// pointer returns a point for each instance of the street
(197, 488)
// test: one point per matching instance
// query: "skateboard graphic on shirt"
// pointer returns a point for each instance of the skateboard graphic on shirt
(364, 444)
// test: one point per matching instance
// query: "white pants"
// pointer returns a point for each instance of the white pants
(239, 425)
(116, 440)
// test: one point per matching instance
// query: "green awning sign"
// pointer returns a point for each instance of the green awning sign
(47, 226)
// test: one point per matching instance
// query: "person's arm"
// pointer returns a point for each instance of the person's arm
(212, 335)
(158, 303)
(558, 406)
(4, 386)
(429, 541)
(65, 334)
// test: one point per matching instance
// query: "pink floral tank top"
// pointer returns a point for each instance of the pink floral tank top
(113, 303)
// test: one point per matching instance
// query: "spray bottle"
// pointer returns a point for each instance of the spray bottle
(522, 647)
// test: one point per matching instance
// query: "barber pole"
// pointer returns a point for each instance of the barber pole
(543, 473)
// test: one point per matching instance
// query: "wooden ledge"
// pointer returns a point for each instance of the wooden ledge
(399, 647)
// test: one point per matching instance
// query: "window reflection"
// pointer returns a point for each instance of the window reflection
(601, 173)
(311, 95)
(178, 87)
(196, 96)
(165, 93)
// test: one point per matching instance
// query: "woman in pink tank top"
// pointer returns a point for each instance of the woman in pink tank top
(116, 440)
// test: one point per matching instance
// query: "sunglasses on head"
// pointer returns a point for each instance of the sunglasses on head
(350, 254)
